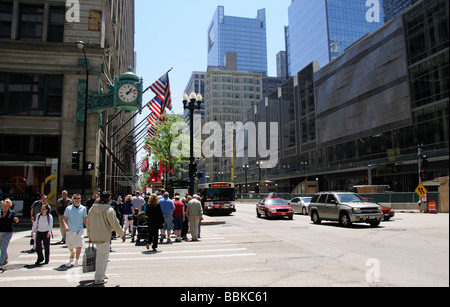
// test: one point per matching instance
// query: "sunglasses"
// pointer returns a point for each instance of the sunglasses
(77, 198)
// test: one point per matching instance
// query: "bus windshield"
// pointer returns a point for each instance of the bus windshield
(219, 194)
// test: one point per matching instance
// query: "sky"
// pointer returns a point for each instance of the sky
(173, 33)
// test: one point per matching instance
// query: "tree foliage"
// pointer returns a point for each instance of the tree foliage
(168, 142)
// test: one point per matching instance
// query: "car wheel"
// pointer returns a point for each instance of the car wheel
(258, 215)
(375, 224)
(344, 220)
(315, 217)
(304, 212)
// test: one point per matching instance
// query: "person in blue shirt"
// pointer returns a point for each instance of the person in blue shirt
(75, 220)
(167, 208)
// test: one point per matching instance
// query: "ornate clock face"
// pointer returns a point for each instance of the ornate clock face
(128, 93)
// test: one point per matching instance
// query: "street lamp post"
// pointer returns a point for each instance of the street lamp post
(192, 103)
(81, 45)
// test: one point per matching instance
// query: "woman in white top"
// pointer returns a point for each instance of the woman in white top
(43, 226)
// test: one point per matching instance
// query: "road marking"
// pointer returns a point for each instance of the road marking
(249, 221)
(186, 257)
(144, 252)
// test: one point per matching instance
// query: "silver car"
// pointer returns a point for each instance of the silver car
(300, 204)
(346, 208)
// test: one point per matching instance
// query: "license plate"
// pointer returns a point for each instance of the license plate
(283, 214)
(217, 206)
(372, 217)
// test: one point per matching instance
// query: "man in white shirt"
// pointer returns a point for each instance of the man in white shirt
(138, 201)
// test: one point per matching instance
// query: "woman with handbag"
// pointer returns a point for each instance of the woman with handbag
(128, 215)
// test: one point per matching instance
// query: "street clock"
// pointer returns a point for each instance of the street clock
(128, 92)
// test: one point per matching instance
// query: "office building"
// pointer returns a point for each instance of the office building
(321, 30)
(43, 80)
(369, 110)
(244, 36)
(282, 71)
(196, 84)
(393, 8)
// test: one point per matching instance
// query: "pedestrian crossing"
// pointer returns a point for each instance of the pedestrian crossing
(125, 259)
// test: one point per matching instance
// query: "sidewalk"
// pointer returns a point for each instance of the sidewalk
(210, 221)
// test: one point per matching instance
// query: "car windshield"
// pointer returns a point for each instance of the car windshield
(275, 202)
(349, 198)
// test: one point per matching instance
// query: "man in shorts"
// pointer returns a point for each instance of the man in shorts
(75, 219)
(167, 208)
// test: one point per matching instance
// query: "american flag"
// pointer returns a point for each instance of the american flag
(156, 105)
(151, 132)
(162, 88)
(144, 166)
(148, 148)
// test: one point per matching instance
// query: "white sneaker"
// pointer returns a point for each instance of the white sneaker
(76, 263)
(70, 263)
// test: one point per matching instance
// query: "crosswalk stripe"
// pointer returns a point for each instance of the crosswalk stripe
(137, 253)
(186, 257)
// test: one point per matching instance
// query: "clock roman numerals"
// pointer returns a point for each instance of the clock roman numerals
(128, 93)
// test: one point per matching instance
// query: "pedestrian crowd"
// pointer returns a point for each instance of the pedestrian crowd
(150, 218)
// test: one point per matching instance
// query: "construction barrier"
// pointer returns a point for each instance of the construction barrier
(432, 207)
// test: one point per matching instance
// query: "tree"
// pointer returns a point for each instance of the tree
(169, 142)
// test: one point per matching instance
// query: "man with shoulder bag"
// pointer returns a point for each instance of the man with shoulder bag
(101, 222)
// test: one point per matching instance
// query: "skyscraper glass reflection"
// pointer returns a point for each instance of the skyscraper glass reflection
(244, 36)
(393, 8)
(321, 30)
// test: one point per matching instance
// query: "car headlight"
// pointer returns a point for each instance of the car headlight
(380, 210)
(357, 210)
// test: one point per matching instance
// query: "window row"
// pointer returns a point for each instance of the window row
(31, 95)
(30, 21)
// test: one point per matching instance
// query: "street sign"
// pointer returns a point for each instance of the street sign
(421, 191)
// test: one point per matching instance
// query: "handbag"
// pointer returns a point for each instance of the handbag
(89, 258)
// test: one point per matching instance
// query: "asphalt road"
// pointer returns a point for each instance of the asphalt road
(411, 250)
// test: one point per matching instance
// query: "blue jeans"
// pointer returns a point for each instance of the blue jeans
(5, 238)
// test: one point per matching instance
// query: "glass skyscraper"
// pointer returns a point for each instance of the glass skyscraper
(393, 8)
(321, 30)
(244, 36)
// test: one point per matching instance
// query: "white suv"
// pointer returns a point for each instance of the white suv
(346, 208)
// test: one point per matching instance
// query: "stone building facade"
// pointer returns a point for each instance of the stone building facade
(42, 78)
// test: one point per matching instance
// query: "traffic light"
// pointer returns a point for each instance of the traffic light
(424, 161)
(194, 170)
(76, 161)
(89, 166)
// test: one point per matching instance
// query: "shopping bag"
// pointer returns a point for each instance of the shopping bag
(90, 255)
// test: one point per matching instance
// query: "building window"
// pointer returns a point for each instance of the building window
(6, 9)
(31, 22)
(28, 95)
(56, 24)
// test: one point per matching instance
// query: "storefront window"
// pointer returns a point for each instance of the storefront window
(28, 167)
